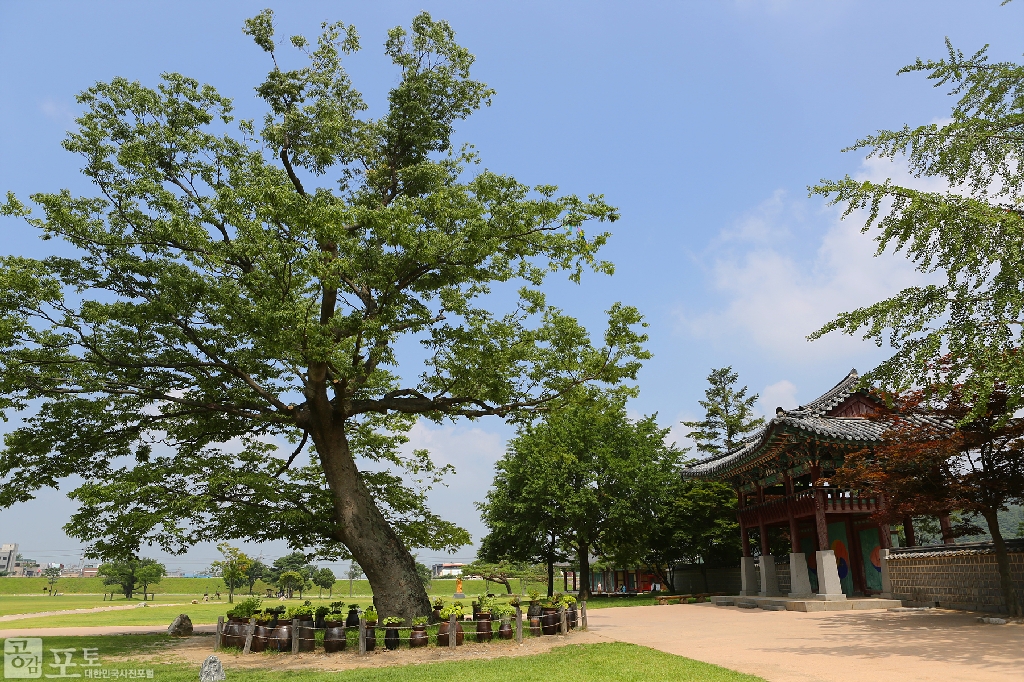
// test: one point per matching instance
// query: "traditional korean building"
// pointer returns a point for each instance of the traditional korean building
(782, 473)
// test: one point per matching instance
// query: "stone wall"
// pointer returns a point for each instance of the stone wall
(962, 577)
(688, 580)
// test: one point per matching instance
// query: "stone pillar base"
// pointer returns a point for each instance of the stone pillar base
(748, 577)
(829, 587)
(799, 576)
(769, 577)
(886, 580)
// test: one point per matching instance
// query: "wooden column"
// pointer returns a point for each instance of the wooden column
(819, 519)
(947, 529)
(745, 539)
(884, 536)
(764, 536)
(860, 582)
(794, 533)
(908, 531)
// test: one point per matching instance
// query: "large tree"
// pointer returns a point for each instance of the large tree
(968, 238)
(592, 472)
(238, 286)
(728, 414)
(233, 568)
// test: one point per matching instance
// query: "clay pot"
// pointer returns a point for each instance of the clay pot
(371, 635)
(391, 637)
(533, 610)
(535, 628)
(435, 616)
(484, 632)
(260, 636)
(281, 636)
(442, 633)
(418, 637)
(334, 636)
(505, 630)
(571, 616)
(307, 635)
(353, 618)
(549, 620)
(235, 631)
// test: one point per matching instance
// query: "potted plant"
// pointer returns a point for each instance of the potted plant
(436, 613)
(353, 616)
(482, 615)
(549, 616)
(569, 602)
(418, 638)
(453, 609)
(370, 614)
(237, 627)
(334, 628)
(534, 609)
(320, 614)
(391, 634)
(302, 618)
(505, 613)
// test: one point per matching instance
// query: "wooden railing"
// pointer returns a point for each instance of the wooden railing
(802, 504)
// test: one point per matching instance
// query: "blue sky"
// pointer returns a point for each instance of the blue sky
(704, 122)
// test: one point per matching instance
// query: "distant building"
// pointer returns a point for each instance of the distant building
(446, 570)
(8, 554)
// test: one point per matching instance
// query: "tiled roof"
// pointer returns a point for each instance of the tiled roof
(965, 549)
(810, 418)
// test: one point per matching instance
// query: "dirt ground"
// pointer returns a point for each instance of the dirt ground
(839, 646)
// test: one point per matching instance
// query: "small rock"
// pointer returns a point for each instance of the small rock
(992, 621)
(195, 601)
(181, 627)
(141, 605)
(212, 670)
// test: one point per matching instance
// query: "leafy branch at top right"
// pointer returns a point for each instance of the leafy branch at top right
(970, 237)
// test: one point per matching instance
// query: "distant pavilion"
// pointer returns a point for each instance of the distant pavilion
(781, 476)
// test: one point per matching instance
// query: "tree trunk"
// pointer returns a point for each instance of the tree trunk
(1013, 607)
(231, 594)
(389, 566)
(704, 575)
(583, 556)
(551, 576)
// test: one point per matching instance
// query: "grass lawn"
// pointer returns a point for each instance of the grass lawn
(609, 662)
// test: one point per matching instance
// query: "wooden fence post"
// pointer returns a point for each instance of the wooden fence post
(362, 634)
(519, 624)
(583, 613)
(220, 630)
(295, 635)
(563, 622)
(248, 635)
(451, 632)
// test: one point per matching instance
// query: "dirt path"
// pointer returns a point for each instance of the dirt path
(66, 612)
(844, 646)
(98, 630)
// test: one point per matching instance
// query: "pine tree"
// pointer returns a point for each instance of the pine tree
(728, 414)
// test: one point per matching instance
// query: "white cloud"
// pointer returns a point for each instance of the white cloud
(57, 111)
(473, 452)
(779, 281)
(780, 394)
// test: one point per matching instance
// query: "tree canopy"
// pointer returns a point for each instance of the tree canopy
(129, 573)
(728, 414)
(588, 473)
(968, 237)
(239, 286)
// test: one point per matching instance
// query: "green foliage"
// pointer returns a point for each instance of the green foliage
(235, 283)
(324, 579)
(128, 573)
(969, 238)
(304, 609)
(582, 480)
(290, 581)
(423, 571)
(52, 575)
(246, 608)
(455, 608)
(233, 568)
(728, 414)
(254, 572)
(370, 614)
(420, 620)
(392, 620)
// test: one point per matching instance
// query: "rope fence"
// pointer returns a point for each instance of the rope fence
(295, 636)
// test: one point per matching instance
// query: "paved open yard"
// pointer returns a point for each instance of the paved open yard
(845, 646)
